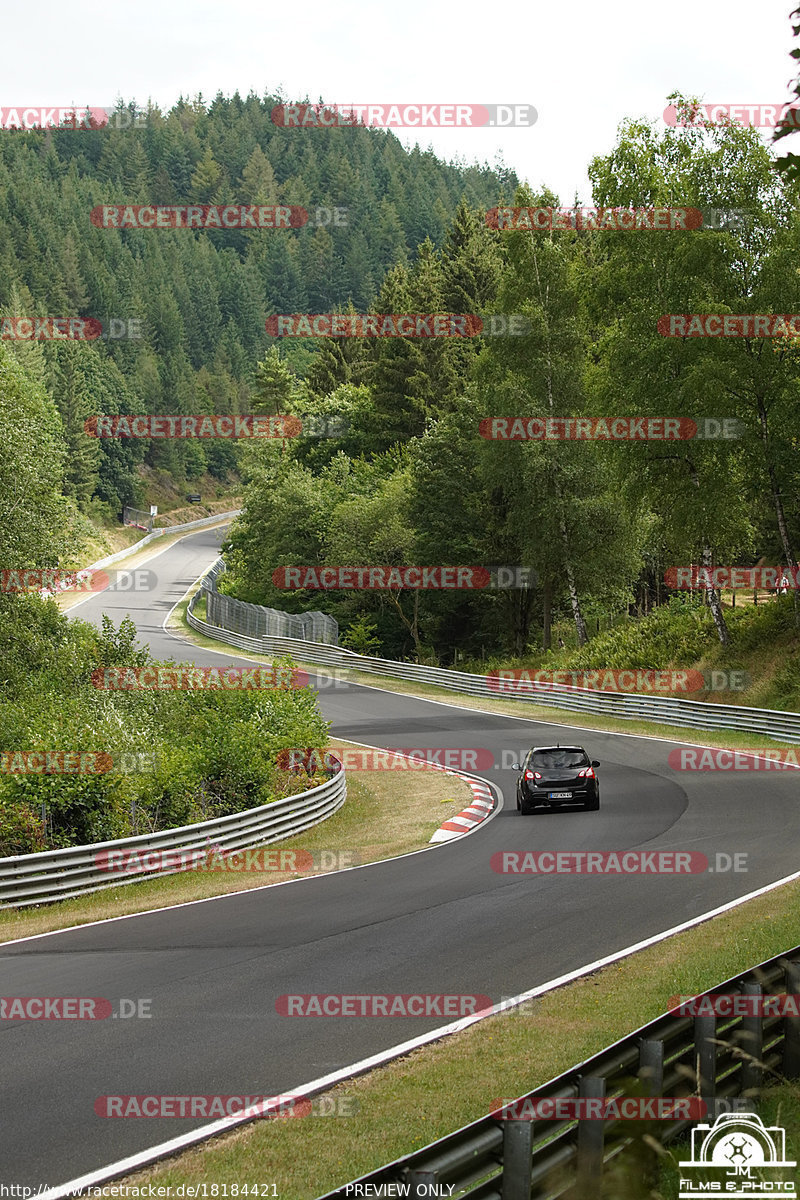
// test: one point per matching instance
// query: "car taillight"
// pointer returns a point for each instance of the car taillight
(587, 773)
(533, 775)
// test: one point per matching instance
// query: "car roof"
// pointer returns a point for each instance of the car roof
(534, 749)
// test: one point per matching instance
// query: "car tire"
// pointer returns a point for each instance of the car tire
(592, 805)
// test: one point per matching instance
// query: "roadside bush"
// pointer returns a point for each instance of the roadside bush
(175, 757)
(21, 831)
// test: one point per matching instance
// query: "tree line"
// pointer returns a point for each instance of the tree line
(411, 480)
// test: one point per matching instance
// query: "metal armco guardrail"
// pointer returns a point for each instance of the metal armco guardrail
(83, 572)
(59, 874)
(713, 1058)
(157, 533)
(623, 705)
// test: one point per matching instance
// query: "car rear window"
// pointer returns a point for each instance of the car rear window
(553, 759)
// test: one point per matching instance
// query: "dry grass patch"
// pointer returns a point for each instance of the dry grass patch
(105, 540)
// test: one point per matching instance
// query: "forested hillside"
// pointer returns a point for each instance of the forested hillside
(200, 298)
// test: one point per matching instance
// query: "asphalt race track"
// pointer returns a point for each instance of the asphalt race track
(439, 921)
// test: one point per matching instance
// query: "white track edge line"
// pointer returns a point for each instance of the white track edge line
(166, 1149)
(169, 1148)
(149, 558)
(647, 737)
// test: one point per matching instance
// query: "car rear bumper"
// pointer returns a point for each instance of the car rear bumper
(579, 794)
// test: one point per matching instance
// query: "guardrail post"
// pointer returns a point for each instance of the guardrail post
(651, 1078)
(791, 1025)
(705, 1031)
(591, 1134)
(751, 1040)
(651, 1066)
(517, 1159)
(422, 1183)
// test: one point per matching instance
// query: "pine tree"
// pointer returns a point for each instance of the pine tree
(206, 178)
(74, 381)
(258, 184)
(275, 385)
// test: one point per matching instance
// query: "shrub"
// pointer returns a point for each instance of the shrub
(21, 831)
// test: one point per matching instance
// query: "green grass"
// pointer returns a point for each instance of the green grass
(516, 708)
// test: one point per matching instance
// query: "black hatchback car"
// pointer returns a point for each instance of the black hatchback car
(556, 775)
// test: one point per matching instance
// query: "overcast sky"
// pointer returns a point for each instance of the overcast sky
(584, 65)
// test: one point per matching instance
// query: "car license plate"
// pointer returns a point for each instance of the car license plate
(560, 796)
